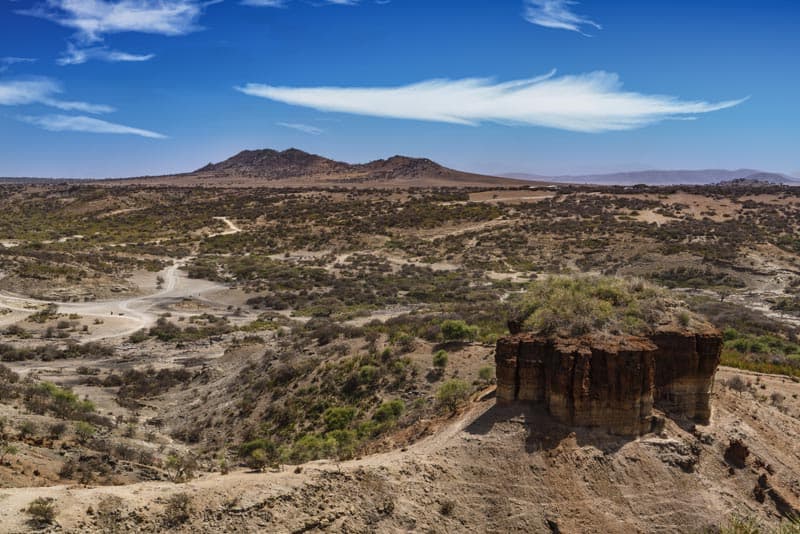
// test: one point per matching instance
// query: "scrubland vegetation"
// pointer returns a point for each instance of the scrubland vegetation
(352, 321)
(578, 305)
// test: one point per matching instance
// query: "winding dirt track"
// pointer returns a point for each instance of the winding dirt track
(137, 312)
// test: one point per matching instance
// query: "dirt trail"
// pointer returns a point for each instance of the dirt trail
(232, 228)
(137, 312)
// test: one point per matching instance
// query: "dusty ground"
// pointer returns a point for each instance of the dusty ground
(484, 470)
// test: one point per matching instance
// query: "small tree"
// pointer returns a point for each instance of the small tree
(257, 460)
(452, 393)
(259, 454)
(457, 330)
(344, 444)
(181, 468)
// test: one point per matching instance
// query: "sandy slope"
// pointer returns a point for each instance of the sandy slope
(487, 470)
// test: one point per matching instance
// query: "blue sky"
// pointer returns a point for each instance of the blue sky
(94, 88)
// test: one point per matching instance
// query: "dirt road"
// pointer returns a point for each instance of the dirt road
(136, 312)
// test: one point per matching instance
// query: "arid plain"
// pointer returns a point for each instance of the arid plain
(267, 345)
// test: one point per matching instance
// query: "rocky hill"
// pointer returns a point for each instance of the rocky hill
(273, 165)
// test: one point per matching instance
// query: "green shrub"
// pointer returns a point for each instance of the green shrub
(7, 449)
(367, 374)
(452, 393)
(457, 330)
(486, 373)
(310, 447)
(730, 334)
(389, 411)
(440, 359)
(259, 453)
(343, 443)
(338, 418)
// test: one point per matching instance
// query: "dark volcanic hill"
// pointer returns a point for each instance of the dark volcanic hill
(295, 168)
(274, 165)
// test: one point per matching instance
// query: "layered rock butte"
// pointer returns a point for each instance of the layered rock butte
(612, 383)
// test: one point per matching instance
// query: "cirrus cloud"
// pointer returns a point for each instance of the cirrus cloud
(43, 91)
(70, 123)
(304, 128)
(78, 56)
(556, 14)
(283, 3)
(593, 102)
(92, 20)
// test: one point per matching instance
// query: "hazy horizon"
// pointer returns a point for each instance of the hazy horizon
(599, 171)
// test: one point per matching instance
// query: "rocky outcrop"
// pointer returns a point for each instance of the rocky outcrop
(612, 383)
(685, 367)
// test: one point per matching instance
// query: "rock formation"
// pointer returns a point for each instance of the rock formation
(612, 383)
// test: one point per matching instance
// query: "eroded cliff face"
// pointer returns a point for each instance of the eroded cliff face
(685, 367)
(611, 383)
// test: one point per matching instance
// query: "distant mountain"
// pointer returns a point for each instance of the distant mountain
(658, 177)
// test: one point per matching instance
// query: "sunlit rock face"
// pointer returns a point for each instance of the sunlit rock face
(611, 382)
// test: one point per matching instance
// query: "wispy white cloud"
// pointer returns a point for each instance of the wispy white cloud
(264, 3)
(305, 128)
(92, 19)
(7, 62)
(284, 3)
(69, 123)
(556, 14)
(43, 91)
(593, 102)
(77, 56)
